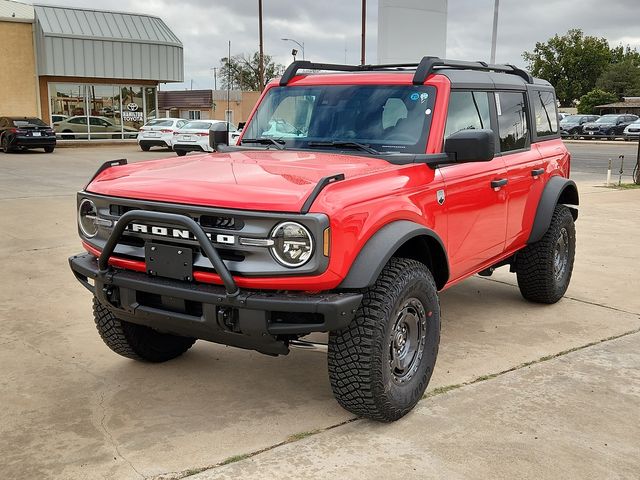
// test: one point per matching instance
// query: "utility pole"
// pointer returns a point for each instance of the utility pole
(228, 84)
(494, 36)
(364, 32)
(261, 67)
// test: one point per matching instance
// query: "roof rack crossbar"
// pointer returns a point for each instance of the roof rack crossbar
(426, 67)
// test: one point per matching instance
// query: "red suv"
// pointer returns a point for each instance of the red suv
(351, 199)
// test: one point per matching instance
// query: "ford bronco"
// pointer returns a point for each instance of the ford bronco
(354, 195)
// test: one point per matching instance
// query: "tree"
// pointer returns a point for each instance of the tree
(243, 72)
(572, 63)
(622, 79)
(595, 97)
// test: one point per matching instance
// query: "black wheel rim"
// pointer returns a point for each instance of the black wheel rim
(407, 340)
(561, 254)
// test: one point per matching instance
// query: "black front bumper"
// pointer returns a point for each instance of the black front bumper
(257, 320)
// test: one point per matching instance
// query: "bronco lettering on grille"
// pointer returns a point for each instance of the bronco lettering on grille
(178, 233)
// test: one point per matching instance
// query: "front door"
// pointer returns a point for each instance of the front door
(475, 197)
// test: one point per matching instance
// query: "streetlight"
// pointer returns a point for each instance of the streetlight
(301, 45)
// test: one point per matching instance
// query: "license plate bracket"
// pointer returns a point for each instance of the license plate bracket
(169, 261)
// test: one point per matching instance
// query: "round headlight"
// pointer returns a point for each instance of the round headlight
(87, 215)
(293, 244)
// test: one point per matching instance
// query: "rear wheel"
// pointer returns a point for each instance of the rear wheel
(49, 149)
(68, 135)
(5, 145)
(544, 268)
(137, 341)
(145, 148)
(380, 365)
(181, 153)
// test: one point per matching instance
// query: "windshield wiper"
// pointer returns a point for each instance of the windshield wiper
(278, 142)
(338, 144)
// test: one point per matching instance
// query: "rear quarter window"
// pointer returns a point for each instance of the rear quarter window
(544, 110)
(512, 121)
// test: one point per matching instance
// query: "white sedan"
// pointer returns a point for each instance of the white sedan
(194, 136)
(159, 132)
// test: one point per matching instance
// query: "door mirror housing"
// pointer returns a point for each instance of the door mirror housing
(471, 146)
(218, 135)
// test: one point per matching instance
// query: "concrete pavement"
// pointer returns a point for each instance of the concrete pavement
(73, 409)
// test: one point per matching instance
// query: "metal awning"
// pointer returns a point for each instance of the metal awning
(75, 42)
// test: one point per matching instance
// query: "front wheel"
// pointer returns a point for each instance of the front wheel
(5, 145)
(49, 149)
(181, 153)
(380, 365)
(544, 268)
(137, 342)
(144, 148)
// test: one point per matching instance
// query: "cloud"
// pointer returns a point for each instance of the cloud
(330, 29)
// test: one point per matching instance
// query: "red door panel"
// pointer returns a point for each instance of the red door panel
(476, 213)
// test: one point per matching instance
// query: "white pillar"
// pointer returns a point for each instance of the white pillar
(410, 29)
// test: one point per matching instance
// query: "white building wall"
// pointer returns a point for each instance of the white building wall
(410, 29)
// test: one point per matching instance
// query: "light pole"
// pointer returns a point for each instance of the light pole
(494, 36)
(215, 77)
(301, 45)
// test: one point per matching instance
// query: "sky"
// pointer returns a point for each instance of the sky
(330, 29)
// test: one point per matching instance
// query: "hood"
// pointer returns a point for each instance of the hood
(249, 180)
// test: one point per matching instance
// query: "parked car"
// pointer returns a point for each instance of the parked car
(76, 127)
(632, 132)
(398, 185)
(571, 125)
(58, 118)
(609, 126)
(194, 136)
(159, 132)
(24, 133)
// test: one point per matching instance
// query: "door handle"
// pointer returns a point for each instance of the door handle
(537, 172)
(499, 183)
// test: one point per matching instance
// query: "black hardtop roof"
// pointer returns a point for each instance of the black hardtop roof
(462, 74)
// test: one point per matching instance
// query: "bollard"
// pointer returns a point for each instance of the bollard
(621, 157)
(636, 170)
(609, 174)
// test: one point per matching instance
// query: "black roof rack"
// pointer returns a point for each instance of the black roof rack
(426, 67)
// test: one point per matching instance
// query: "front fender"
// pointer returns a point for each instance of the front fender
(385, 243)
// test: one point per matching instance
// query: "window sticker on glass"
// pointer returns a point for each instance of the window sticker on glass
(415, 96)
(424, 97)
(498, 104)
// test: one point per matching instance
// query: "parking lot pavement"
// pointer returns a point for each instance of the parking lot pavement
(73, 409)
(569, 417)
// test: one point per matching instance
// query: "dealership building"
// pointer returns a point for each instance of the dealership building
(93, 74)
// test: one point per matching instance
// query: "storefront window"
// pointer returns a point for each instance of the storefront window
(150, 102)
(68, 110)
(98, 111)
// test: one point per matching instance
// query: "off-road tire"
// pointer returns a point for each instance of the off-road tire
(145, 148)
(137, 342)
(537, 279)
(359, 356)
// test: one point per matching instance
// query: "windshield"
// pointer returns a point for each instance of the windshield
(159, 123)
(197, 126)
(607, 119)
(386, 118)
(571, 119)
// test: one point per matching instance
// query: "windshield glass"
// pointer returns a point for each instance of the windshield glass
(159, 123)
(607, 119)
(388, 118)
(571, 119)
(197, 126)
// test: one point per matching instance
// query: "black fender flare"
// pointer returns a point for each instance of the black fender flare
(385, 243)
(557, 190)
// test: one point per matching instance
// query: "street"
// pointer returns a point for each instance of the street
(590, 160)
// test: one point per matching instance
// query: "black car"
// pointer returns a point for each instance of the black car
(571, 125)
(23, 133)
(608, 126)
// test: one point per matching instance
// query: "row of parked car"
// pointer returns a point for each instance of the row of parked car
(609, 126)
(182, 136)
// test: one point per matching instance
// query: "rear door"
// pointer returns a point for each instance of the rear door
(476, 208)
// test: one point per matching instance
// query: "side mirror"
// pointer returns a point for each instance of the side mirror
(218, 135)
(471, 146)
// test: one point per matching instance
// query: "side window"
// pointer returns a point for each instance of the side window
(512, 120)
(393, 111)
(544, 109)
(467, 110)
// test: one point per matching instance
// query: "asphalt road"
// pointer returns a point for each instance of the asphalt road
(590, 160)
